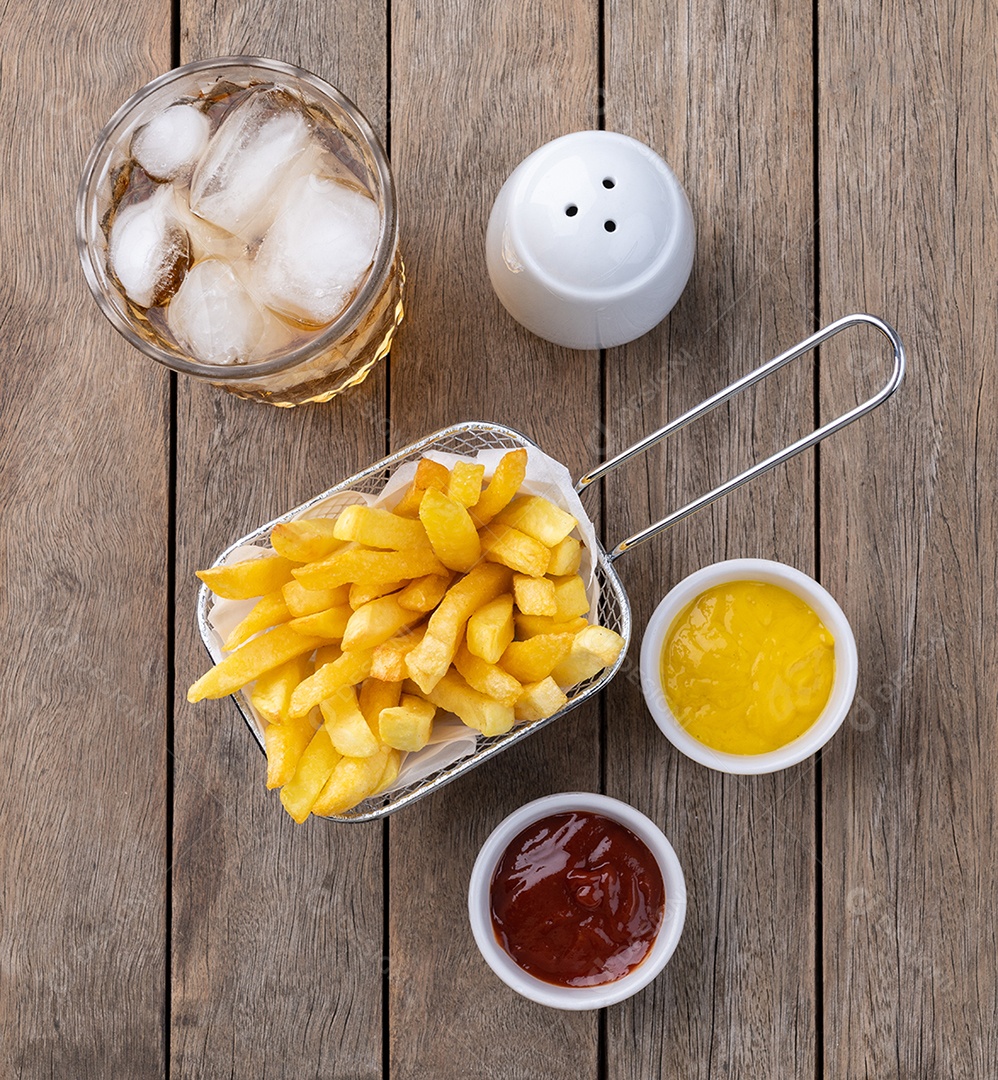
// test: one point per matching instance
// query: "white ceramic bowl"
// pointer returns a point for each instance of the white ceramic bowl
(824, 606)
(569, 997)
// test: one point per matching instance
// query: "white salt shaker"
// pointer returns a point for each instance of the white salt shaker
(590, 240)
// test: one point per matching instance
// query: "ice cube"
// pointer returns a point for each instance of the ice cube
(318, 251)
(148, 250)
(214, 317)
(171, 142)
(248, 158)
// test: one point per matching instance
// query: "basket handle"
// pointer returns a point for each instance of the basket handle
(780, 456)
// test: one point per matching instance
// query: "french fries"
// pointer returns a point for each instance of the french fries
(505, 483)
(376, 622)
(538, 518)
(271, 696)
(249, 578)
(429, 661)
(369, 568)
(269, 610)
(379, 529)
(388, 660)
(535, 659)
(424, 593)
(463, 598)
(535, 595)
(285, 743)
(346, 725)
(465, 482)
(510, 547)
(491, 628)
(406, 726)
(305, 540)
(451, 531)
(302, 601)
(262, 653)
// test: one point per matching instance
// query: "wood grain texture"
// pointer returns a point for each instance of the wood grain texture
(475, 89)
(159, 913)
(907, 160)
(83, 476)
(277, 928)
(724, 95)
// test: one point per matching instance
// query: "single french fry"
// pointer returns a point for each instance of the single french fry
(249, 661)
(487, 678)
(249, 578)
(369, 568)
(364, 594)
(538, 517)
(506, 545)
(424, 593)
(532, 660)
(505, 483)
(528, 626)
(390, 775)
(540, 700)
(426, 664)
(566, 557)
(490, 628)
(375, 695)
(351, 782)
(429, 474)
(268, 611)
(483, 583)
(465, 484)
(570, 597)
(302, 601)
(379, 528)
(314, 768)
(431, 658)
(592, 650)
(407, 726)
(477, 710)
(388, 662)
(376, 622)
(285, 743)
(330, 624)
(534, 595)
(450, 530)
(305, 540)
(348, 729)
(271, 694)
(348, 670)
(326, 654)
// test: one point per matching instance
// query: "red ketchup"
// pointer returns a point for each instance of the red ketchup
(577, 899)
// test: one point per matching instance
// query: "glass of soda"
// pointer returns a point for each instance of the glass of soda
(236, 221)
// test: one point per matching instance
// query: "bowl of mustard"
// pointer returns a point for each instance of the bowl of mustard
(748, 666)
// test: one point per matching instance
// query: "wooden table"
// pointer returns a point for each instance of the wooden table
(161, 915)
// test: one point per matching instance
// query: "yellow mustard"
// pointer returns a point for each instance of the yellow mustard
(747, 667)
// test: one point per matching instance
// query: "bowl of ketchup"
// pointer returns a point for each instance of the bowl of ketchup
(577, 900)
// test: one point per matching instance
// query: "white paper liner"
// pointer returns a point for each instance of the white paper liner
(451, 740)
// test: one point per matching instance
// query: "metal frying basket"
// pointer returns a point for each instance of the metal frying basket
(613, 608)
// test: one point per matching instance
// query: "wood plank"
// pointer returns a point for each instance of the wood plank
(83, 603)
(475, 88)
(723, 93)
(277, 930)
(908, 542)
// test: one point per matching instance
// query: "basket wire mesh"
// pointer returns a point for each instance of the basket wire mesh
(612, 610)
